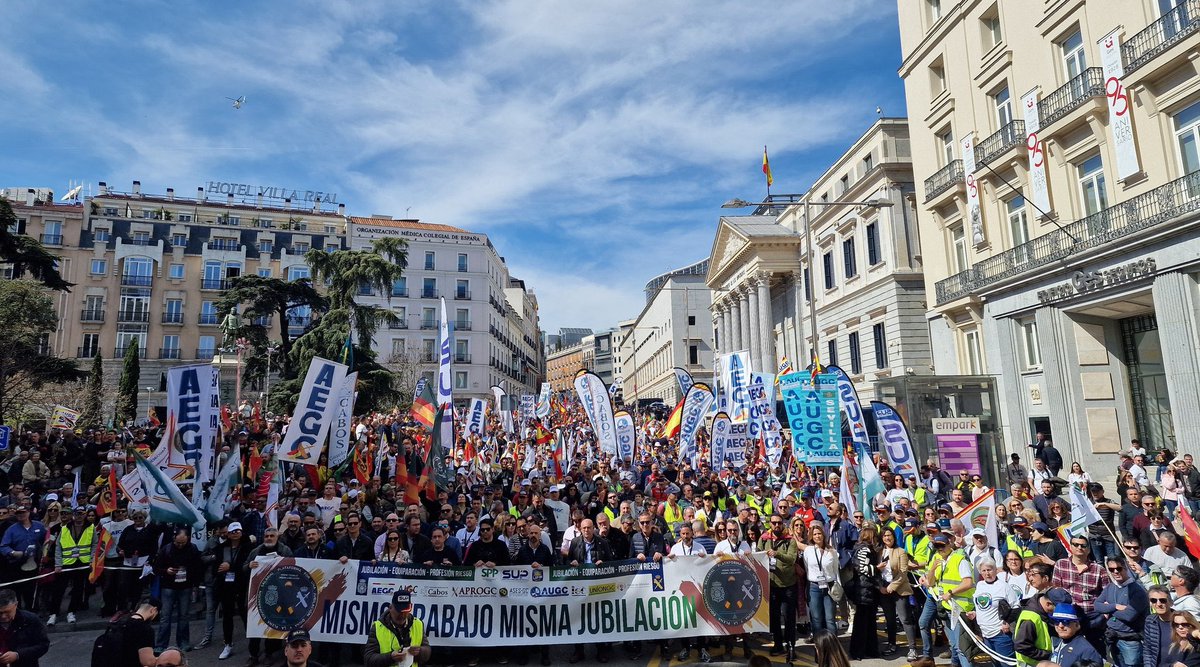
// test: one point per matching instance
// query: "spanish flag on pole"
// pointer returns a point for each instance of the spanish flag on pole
(767, 168)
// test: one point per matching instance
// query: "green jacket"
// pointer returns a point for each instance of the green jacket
(783, 573)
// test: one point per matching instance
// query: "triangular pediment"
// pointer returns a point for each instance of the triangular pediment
(736, 239)
(726, 246)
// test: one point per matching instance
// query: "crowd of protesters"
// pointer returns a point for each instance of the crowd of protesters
(904, 566)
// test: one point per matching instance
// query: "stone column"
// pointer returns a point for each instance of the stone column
(717, 319)
(1175, 304)
(767, 325)
(1060, 367)
(800, 347)
(735, 323)
(756, 326)
(726, 326)
(743, 304)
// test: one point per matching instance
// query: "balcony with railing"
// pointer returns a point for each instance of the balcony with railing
(1173, 27)
(133, 316)
(429, 324)
(130, 280)
(462, 295)
(138, 240)
(429, 294)
(168, 353)
(1150, 209)
(462, 358)
(213, 284)
(1073, 94)
(52, 239)
(462, 325)
(172, 318)
(91, 316)
(398, 323)
(1000, 142)
(299, 321)
(209, 318)
(224, 244)
(205, 353)
(945, 178)
(119, 352)
(400, 291)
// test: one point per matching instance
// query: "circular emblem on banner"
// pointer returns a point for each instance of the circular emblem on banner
(732, 592)
(287, 597)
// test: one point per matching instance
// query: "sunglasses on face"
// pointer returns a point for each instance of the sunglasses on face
(1079, 545)
(1182, 625)
(1159, 600)
(1116, 570)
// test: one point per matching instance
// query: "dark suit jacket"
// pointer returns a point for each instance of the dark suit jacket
(601, 550)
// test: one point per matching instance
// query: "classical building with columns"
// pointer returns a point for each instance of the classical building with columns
(868, 298)
(1073, 277)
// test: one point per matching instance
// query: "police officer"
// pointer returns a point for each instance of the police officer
(396, 633)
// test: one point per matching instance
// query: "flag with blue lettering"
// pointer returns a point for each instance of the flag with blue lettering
(445, 384)
(229, 478)
(695, 407)
(309, 428)
(894, 440)
(852, 408)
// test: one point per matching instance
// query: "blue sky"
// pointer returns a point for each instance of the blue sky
(593, 142)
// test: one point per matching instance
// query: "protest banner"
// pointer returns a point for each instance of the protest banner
(63, 417)
(305, 437)
(812, 412)
(690, 596)
(193, 409)
(598, 407)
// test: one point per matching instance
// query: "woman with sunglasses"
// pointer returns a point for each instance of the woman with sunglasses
(392, 551)
(865, 594)
(1060, 515)
(1185, 641)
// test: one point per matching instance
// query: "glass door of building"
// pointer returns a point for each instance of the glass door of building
(1148, 382)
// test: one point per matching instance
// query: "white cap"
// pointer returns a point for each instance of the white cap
(525, 482)
(353, 493)
(236, 525)
(555, 488)
(51, 497)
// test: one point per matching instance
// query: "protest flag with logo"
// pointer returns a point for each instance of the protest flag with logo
(167, 502)
(424, 407)
(108, 496)
(104, 541)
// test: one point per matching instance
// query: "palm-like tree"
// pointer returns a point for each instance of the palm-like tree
(344, 272)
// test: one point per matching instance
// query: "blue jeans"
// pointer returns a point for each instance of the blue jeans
(927, 623)
(1172, 508)
(174, 602)
(820, 609)
(1001, 644)
(1128, 653)
(954, 634)
(1102, 547)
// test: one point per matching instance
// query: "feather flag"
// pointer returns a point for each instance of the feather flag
(433, 473)
(848, 490)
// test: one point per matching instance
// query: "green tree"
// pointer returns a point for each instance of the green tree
(127, 387)
(26, 254)
(268, 297)
(89, 416)
(26, 365)
(345, 272)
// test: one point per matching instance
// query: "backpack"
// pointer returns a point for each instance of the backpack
(107, 649)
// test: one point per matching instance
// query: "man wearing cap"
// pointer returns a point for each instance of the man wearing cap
(1070, 646)
(297, 648)
(979, 550)
(1020, 539)
(115, 595)
(138, 542)
(231, 581)
(1031, 633)
(18, 552)
(395, 634)
(917, 543)
(885, 520)
(73, 549)
(952, 579)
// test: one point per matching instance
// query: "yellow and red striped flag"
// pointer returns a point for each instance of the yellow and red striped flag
(767, 168)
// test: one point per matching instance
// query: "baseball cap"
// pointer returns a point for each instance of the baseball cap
(940, 538)
(932, 527)
(300, 635)
(978, 532)
(911, 522)
(1019, 521)
(1040, 527)
(51, 497)
(1064, 611)
(402, 601)
(1058, 596)
(236, 525)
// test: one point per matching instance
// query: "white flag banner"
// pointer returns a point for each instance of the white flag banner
(1083, 512)
(1120, 118)
(445, 382)
(625, 433)
(227, 480)
(543, 403)
(343, 416)
(598, 408)
(305, 437)
(735, 380)
(193, 413)
(722, 437)
(476, 421)
(273, 491)
(695, 406)
(684, 379)
(1037, 152)
(973, 211)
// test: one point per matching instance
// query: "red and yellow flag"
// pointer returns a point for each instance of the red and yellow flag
(671, 428)
(108, 496)
(767, 168)
(103, 542)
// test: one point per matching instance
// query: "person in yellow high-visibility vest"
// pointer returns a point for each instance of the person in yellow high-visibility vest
(953, 580)
(1031, 633)
(396, 635)
(72, 555)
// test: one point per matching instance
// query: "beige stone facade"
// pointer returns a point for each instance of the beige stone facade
(1084, 308)
(562, 365)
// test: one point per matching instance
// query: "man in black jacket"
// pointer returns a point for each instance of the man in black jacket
(487, 550)
(314, 546)
(24, 637)
(537, 554)
(355, 545)
(589, 549)
(179, 570)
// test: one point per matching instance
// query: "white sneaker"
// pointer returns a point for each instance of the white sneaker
(52, 620)
(226, 652)
(70, 617)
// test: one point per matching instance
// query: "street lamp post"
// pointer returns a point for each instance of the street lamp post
(271, 350)
(803, 199)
